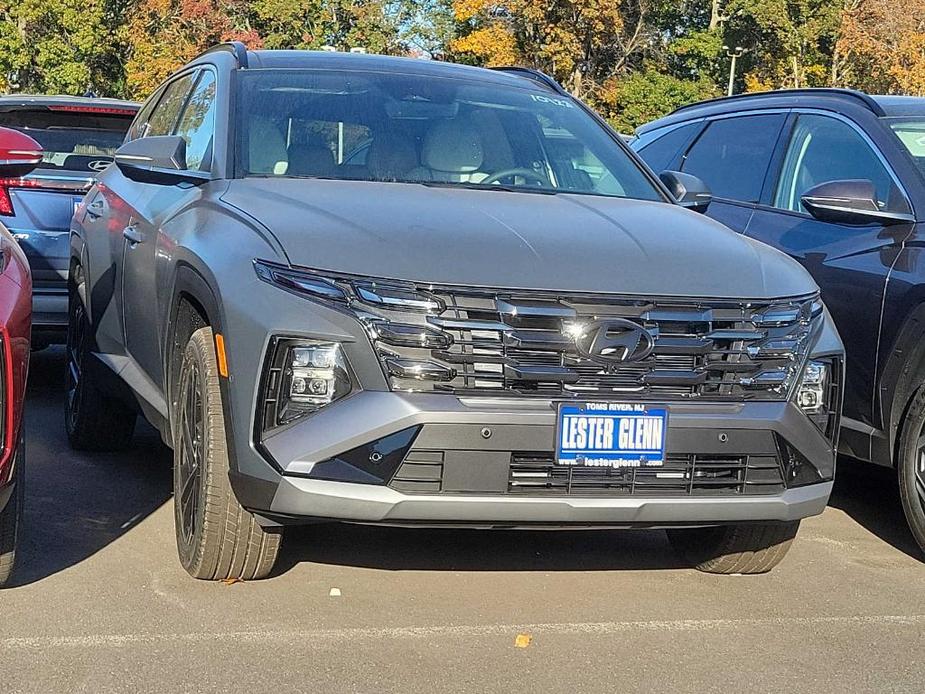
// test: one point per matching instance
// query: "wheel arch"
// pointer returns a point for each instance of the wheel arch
(902, 375)
(193, 305)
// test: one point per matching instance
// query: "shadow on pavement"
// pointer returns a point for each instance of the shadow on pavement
(869, 495)
(428, 549)
(78, 503)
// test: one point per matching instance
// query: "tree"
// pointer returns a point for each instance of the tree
(576, 41)
(881, 46)
(790, 42)
(646, 95)
(65, 46)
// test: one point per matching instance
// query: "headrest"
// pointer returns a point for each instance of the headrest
(390, 157)
(310, 159)
(266, 148)
(453, 146)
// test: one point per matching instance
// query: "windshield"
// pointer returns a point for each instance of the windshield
(911, 132)
(75, 141)
(375, 126)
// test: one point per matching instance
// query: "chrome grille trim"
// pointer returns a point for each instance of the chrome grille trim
(519, 343)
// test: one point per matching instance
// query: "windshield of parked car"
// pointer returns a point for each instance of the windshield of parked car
(911, 132)
(82, 139)
(412, 128)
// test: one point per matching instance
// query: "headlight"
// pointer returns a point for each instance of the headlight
(811, 396)
(818, 396)
(303, 376)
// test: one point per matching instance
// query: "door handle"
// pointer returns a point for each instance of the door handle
(132, 235)
(95, 209)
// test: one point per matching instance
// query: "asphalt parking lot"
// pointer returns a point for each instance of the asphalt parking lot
(100, 604)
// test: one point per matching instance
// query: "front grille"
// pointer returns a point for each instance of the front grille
(681, 475)
(482, 342)
(536, 474)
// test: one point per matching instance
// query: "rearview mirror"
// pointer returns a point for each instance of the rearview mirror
(160, 160)
(851, 201)
(688, 190)
(19, 153)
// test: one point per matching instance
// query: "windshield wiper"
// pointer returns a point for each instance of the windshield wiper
(491, 186)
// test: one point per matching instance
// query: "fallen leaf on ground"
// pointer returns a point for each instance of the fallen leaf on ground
(522, 640)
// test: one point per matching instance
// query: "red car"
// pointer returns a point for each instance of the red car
(19, 154)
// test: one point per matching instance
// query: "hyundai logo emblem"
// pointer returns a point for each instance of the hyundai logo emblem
(98, 164)
(615, 341)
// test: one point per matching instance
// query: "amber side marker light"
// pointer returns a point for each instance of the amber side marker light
(220, 353)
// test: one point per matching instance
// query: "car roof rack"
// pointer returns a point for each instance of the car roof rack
(865, 99)
(236, 48)
(535, 75)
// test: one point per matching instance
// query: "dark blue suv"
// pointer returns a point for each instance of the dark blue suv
(836, 179)
(78, 136)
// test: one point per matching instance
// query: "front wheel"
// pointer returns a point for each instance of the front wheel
(216, 537)
(11, 518)
(911, 467)
(735, 549)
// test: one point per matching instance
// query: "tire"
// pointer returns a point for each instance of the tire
(11, 518)
(735, 549)
(94, 420)
(910, 467)
(216, 537)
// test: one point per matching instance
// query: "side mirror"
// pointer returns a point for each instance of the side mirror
(160, 160)
(689, 191)
(19, 153)
(851, 201)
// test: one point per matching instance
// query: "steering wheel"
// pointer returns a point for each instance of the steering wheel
(528, 174)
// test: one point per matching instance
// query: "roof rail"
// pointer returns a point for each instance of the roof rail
(535, 75)
(238, 49)
(865, 99)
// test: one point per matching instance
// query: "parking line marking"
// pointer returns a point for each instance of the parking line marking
(423, 632)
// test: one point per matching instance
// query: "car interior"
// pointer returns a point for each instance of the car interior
(341, 135)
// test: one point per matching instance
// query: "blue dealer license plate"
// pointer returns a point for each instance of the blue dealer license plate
(611, 434)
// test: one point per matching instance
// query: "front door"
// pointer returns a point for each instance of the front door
(849, 263)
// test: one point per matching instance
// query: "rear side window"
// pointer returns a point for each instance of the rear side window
(165, 115)
(733, 154)
(661, 153)
(73, 140)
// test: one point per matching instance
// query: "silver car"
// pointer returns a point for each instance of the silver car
(382, 290)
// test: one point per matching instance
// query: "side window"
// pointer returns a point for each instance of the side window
(164, 118)
(661, 153)
(140, 124)
(823, 149)
(733, 154)
(197, 123)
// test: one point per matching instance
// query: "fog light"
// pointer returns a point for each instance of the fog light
(811, 397)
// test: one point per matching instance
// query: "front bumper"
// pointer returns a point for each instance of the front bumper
(447, 460)
(365, 503)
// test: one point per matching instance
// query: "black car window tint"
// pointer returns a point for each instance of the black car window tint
(661, 153)
(733, 154)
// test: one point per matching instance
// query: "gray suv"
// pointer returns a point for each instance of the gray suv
(384, 290)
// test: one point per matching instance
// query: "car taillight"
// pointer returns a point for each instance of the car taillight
(6, 200)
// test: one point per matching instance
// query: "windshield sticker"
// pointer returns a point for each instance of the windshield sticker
(565, 103)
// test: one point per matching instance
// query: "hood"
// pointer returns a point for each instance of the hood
(562, 242)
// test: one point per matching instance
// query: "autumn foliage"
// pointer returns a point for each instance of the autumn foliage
(632, 59)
